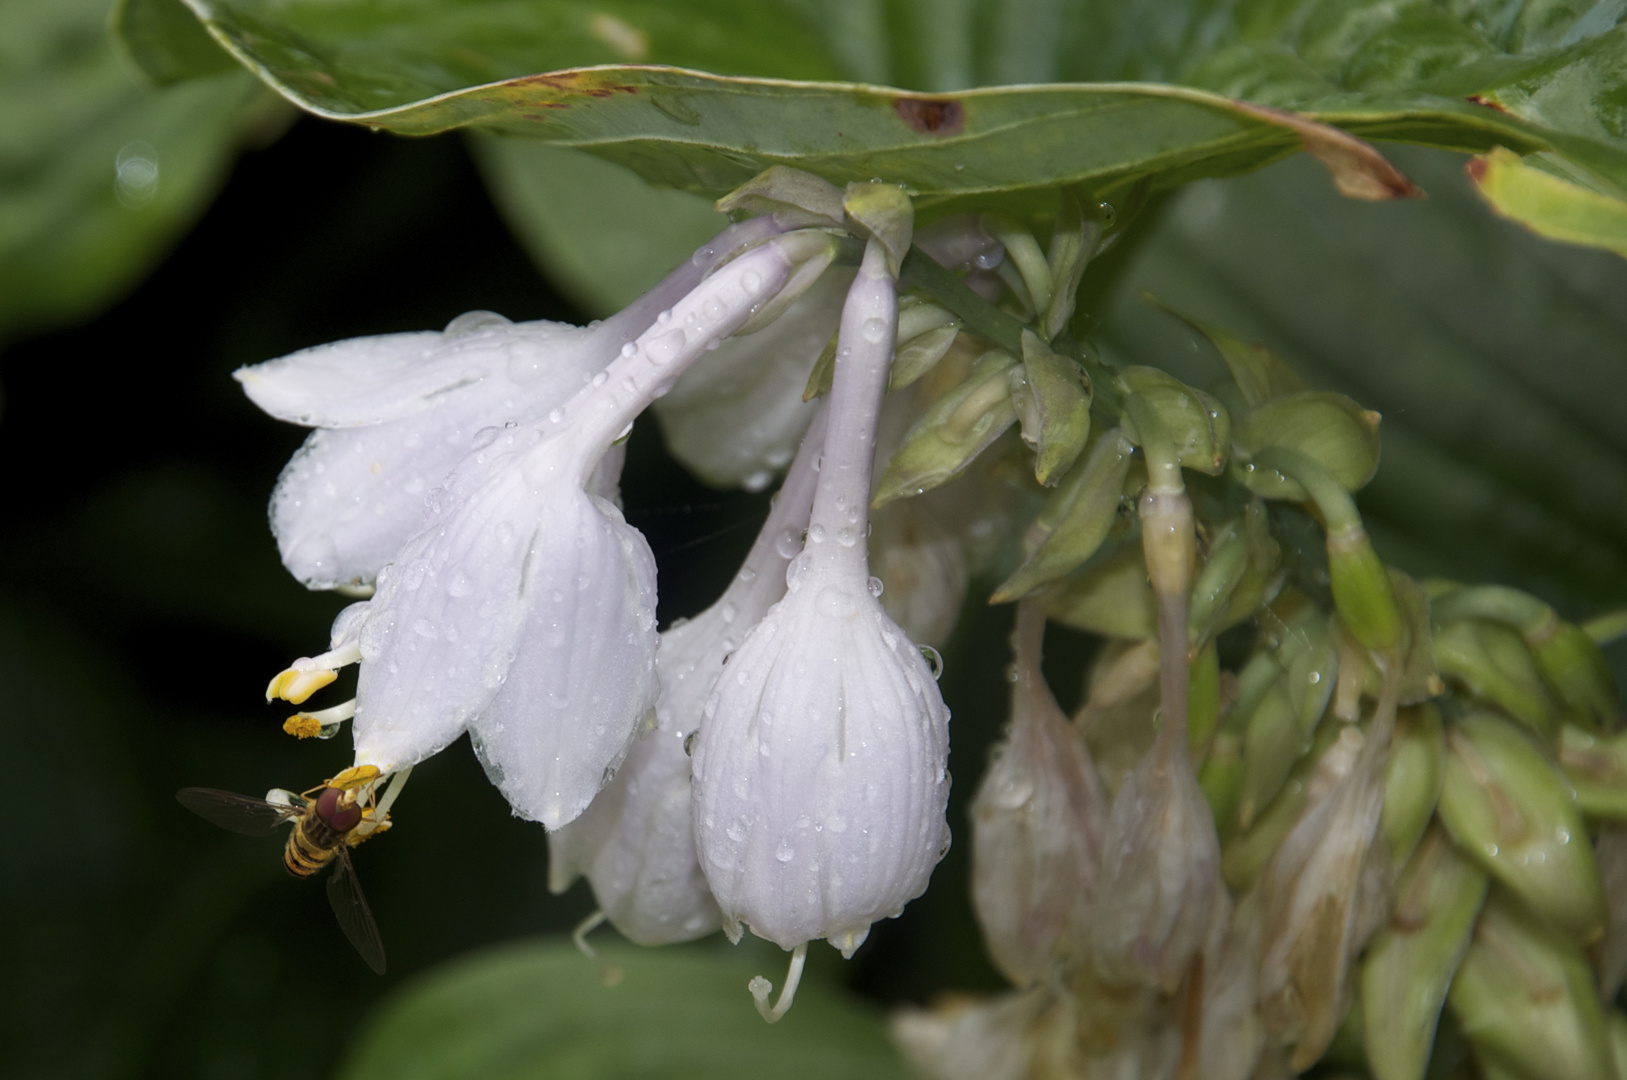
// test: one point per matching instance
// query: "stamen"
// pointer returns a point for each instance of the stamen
(760, 987)
(609, 974)
(356, 776)
(322, 724)
(309, 674)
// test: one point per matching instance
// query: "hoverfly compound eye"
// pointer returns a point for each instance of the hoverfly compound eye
(340, 819)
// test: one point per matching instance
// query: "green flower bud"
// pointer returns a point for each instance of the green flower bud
(1221, 780)
(1569, 659)
(1279, 731)
(1025, 253)
(1073, 243)
(1492, 662)
(1409, 965)
(824, 369)
(1224, 566)
(1330, 758)
(1075, 519)
(925, 333)
(1596, 766)
(1203, 702)
(1197, 423)
(1525, 998)
(875, 210)
(1263, 577)
(1328, 428)
(1413, 778)
(1359, 674)
(956, 428)
(1259, 375)
(1051, 395)
(1511, 811)
(798, 198)
(1110, 596)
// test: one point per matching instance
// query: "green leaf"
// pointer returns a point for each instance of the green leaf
(1549, 205)
(97, 174)
(538, 1009)
(166, 41)
(600, 233)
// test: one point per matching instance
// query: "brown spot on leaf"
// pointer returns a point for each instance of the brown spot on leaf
(1476, 169)
(932, 116)
(1490, 103)
(586, 83)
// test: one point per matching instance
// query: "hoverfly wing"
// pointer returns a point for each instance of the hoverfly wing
(350, 906)
(239, 813)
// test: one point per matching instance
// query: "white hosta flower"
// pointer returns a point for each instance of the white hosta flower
(1037, 823)
(820, 768)
(524, 611)
(397, 412)
(636, 841)
(735, 418)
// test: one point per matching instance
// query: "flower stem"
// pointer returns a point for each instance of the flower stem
(864, 347)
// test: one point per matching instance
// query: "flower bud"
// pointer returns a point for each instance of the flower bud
(1330, 759)
(1110, 596)
(1511, 811)
(995, 1039)
(1412, 780)
(1225, 563)
(1075, 519)
(1280, 728)
(1411, 962)
(1493, 663)
(958, 427)
(1525, 998)
(1073, 242)
(1221, 779)
(882, 212)
(821, 765)
(1034, 285)
(1328, 428)
(1037, 823)
(1596, 766)
(1196, 422)
(1116, 719)
(1051, 395)
(925, 333)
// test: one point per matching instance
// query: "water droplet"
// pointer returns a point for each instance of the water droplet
(746, 576)
(459, 584)
(836, 602)
(758, 480)
(875, 586)
(785, 852)
(934, 662)
(728, 611)
(473, 322)
(816, 533)
(424, 628)
(665, 317)
(600, 379)
(666, 348)
(630, 349)
(944, 844)
(484, 438)
(873, 330)
(608, 775)
(1013, 673)
(556, 415)
(788, 543)
(988, 260)
(736, 830)
(846, 537)
(751, 281)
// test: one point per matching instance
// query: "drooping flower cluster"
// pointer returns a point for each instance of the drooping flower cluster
(1204, 872)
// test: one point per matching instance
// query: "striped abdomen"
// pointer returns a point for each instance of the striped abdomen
(318, 833)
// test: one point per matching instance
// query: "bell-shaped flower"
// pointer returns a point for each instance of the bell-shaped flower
(395, 414)
(1037, 823)
(821, 766)
(524, 610)
(636, 842)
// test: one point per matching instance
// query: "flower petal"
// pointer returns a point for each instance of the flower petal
(370, 380)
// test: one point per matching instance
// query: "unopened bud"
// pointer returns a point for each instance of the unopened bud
(1196, 422)
(1410, 963)
(797, 197)
(1224, 565)
(1513, 813)
(1073, 243)
(958, 427)
(1025, 254)
(1051, 395)
(1575, 666)
(882, 212)
(1075, 519)
(1596, 766)
(925, 333)
(1328, 428)
(1331, 758)
(1259, 375)
(1263, 577)
(1221, 779)
(1493, 663)
(1412, 779)
(1280, 728)
(1111, 596)
(1525, 998)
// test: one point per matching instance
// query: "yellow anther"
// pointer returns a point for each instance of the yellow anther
(355, 777)
(294, 685)
(303, 726)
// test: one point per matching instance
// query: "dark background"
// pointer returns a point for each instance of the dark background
(143, 609)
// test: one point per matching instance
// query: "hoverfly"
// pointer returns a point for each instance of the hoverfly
(326, 827)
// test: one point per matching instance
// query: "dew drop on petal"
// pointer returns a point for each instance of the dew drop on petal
(874, 586)
(816, 533)
(873, 331)
(934, 662)
(784, 852)
(484, 438)
(786, 545)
